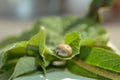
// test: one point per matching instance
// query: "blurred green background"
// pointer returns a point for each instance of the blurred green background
(19, 15)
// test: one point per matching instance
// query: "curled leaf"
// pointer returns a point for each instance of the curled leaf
(73, 40)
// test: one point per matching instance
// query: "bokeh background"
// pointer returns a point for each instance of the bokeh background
(17, 16)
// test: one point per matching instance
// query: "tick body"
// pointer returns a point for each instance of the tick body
(63, 50)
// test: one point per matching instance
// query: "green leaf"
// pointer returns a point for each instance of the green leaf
(56, 27)
(87, 29)
(37, 44)
(12, 53)
(41, 63)
(42, 41)
(104, 59)
(73, 39)
(8, 65)
(92, 56)
(24, 65)
(84, 52)
(38, 39)
(79, 70)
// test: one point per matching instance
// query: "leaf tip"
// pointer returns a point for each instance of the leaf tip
(42, 28)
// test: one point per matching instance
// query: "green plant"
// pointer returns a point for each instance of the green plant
(34, 52)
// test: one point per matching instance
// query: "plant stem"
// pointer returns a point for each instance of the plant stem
(96, 70)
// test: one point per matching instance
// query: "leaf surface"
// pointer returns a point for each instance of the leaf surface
(24, 65)
(105, 59)
(73, 39)
(79, 70)
(12, 53)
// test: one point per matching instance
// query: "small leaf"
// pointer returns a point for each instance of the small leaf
(24, 65)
